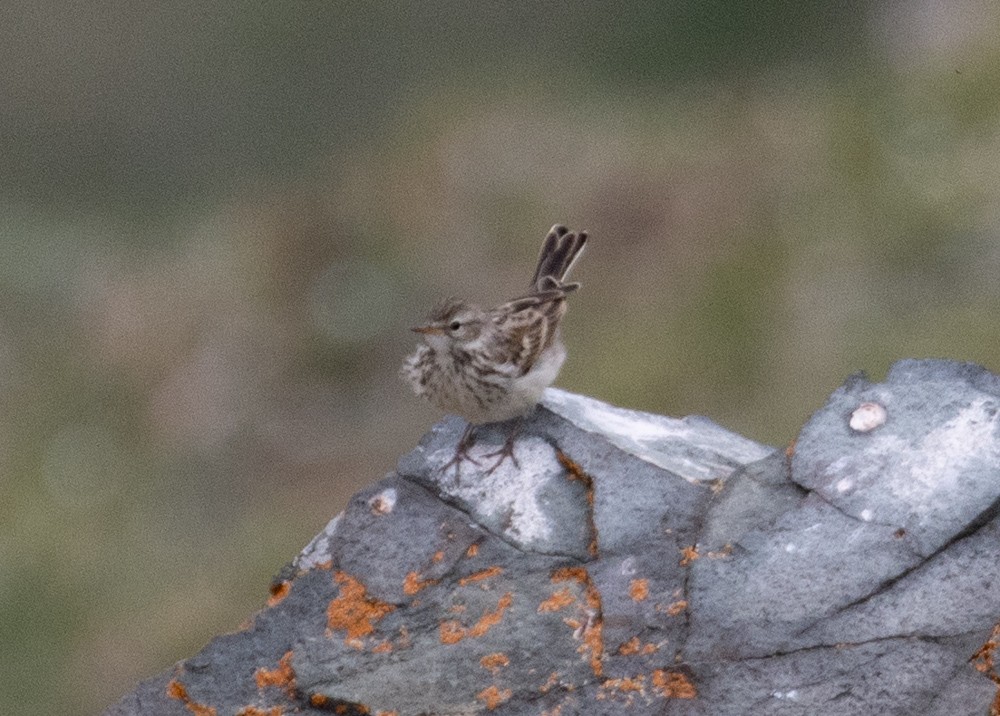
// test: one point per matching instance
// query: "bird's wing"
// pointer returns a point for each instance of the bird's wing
(527, 325)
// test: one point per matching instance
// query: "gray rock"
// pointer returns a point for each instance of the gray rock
(636, 563)
(933, 478)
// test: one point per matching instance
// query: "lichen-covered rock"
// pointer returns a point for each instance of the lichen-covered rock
(632, 563)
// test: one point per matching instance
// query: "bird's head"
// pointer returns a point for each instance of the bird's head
(452, 321)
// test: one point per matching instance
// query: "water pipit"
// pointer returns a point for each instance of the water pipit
(490, 365)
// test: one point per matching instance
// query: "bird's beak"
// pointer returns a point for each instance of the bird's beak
(428, 330)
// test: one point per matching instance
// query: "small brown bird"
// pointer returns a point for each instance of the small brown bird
(492, 365)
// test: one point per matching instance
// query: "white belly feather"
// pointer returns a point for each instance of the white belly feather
(512, 397)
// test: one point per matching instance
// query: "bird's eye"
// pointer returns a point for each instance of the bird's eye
(454, 325)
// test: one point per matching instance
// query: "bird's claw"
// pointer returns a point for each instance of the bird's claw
(507, 451)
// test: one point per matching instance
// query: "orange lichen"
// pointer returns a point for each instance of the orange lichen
(790, 450)
(278, 592)
(593, 628)
(254, 711)
(624, 684)
(673, 684)
(566, 574)
(480, 575)
(493, 697)
(689, 554)
(552, 681)
(353, 611)
(452, 632)
(176, 690)
(491, 619)
(557, 601)
(318, 700)
(383, 647)
(576, 473)
(438, 556)
(494, 662)
(412, 583)
(677, 607)
(629, 647)
(638, 589)
(983, 661)
(623, 689)
(650, 648)
(472, 551)
(726, 550)
(282, 677)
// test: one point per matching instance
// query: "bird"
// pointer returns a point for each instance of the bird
(491, 365)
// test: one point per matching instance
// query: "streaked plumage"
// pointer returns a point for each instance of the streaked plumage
(491, 365)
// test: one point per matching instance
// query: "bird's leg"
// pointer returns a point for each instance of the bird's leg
(507, 451)
(462, 450)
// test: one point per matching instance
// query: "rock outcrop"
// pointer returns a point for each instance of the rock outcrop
(633, 563)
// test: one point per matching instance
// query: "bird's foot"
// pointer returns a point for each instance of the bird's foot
(462, 452)
(507, 451)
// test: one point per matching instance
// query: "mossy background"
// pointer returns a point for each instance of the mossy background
(219, 219)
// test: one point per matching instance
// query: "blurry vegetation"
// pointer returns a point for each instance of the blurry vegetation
(219, 222)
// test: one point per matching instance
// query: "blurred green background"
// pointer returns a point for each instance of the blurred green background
(218, 220)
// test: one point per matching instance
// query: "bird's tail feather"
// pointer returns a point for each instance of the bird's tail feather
(560, 250)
